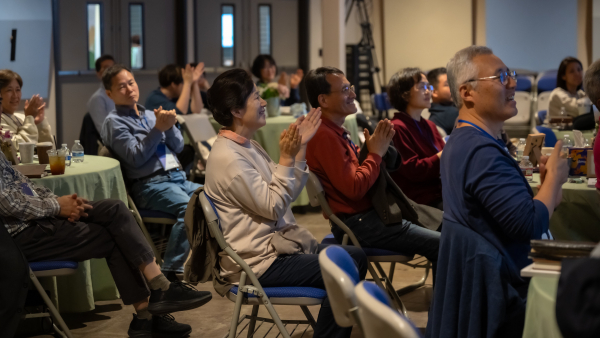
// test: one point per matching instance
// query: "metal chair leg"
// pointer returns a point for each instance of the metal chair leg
(390, 290)
(412, 287)
(237, 307)
(252, 321)
(265, 300)
(309, 316)
(51, 307)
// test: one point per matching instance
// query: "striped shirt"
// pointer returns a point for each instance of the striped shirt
(21, 201)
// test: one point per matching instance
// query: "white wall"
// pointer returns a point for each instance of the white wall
(595, 30)
(532, 34)
(424, 34)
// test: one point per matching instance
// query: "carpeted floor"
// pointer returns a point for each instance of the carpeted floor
(112, 318)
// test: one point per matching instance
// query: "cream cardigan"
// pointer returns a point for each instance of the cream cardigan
(26, 130)
(252, 196)
(562, 98)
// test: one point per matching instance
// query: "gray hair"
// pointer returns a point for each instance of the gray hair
(462, 69)
(591, 82)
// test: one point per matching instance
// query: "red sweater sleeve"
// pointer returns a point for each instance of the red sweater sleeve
(415, 166)
(337, 161)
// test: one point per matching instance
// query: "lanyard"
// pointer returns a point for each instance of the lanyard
(15, 120)
(429, 138)
(352, 145)
(502, 145)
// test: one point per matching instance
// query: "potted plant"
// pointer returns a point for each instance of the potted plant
(273, 93)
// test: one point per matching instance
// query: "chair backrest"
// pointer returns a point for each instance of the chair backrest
(523, 116)
(197, 126)
(546, 81)
(543, 101)
(340, 276)
(382, 103)
(211, 216)
(524, 83)
(541, 114)
(377, 316)
(316, 194)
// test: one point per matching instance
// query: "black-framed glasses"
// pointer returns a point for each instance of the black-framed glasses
(503, 77)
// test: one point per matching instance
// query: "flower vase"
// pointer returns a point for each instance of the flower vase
(273, 107)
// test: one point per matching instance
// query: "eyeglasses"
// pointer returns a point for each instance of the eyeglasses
(346, 90)
(503, 77)
(424, 86)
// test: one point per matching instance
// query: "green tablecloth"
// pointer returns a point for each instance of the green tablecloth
(560, 134)
(95, 179)
(268, 138)
(540, 316)
(578, 215)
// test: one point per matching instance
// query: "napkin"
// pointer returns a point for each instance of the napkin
(579, 140)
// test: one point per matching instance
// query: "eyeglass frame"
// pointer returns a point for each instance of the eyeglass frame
(350, 88)
(505, 73)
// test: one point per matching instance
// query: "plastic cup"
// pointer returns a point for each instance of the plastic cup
(57, 161)
(26, 151)
(43, 148)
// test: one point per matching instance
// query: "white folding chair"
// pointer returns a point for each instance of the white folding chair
(521, 124)
(378, 317)
(201, 134)
(254, 294)
(341, 277)
(543, 101)
(375, 256)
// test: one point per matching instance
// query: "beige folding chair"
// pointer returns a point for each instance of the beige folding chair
(316, 195)
(200, 131)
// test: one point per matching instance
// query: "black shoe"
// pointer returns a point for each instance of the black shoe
(179, 297)
(171, 276)
(163, 326)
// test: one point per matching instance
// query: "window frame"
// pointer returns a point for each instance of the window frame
(222, 63)
(142, 38)
(270, 27)
(87, 35)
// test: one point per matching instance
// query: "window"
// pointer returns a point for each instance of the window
(227, 36)
(264, 29)
(136, 35)
(94, 28)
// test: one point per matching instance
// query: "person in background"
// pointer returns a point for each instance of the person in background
(265, 69)
(31, 126)
(180, 89)
(417, 140)
(145, 143)
(592, 87)
(490, 212)
(100, 105)
(568, 92)
(443, 111)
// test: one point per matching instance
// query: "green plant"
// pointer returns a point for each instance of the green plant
(267, 91)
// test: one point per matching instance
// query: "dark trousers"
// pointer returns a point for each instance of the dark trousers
(304, 270)
(14, 283)
(109, 231)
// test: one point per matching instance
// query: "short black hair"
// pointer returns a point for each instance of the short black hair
(316, 83)
(434, 75)
(170, 74)
(400, 83)
(110, 73)
(259, 64)
(102, 59)
(229, 91)
(562, 70)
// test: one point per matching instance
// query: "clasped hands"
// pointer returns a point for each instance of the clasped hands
(73, 207)
(165, 119)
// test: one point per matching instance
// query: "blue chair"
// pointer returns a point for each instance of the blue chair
(546, 81)
(377, 316)
(550, 139)
(541, 116)
(51, 269)
(375, 256)
(340, 276)
(382, 104)
(524, 83)
(254, 294)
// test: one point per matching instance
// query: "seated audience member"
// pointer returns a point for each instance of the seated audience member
(443, 111)
(100, 105)
(568, 92)
(145, 143)
(252, 194)
(69, 228)
(490, 212)
(349, 185)
(417, 140)
(265, 69)
(31, 126)
(180, 89)
(592, 87)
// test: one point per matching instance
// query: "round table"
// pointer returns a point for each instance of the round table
(577, 218)
(268, 138)
(540, 316)
(95, 178)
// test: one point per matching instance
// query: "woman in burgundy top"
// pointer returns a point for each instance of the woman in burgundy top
(416, 139)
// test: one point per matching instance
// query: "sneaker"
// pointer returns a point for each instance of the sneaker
(179, 297)
(171, 276)
(163, 326)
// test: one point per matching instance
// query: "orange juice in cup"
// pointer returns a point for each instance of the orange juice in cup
(57, 161)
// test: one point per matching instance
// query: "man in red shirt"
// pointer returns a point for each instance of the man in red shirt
(333, 157)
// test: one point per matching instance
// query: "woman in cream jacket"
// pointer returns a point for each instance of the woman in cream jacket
(252, 194)
(30, 126)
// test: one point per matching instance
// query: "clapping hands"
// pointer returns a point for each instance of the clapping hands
(308, 125)
(290, 143)
(165, 119)
(36, 108)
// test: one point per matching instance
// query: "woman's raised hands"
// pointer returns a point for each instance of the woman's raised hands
(309, 124)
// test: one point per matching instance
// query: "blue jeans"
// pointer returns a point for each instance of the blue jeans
(168, 193)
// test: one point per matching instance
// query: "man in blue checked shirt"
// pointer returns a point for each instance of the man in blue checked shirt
(146, 144)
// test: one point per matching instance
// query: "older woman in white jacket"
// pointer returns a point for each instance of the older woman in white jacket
(29, 127)
(252, 194)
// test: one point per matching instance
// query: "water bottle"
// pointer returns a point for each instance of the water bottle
(68, 156)
(567, 143)
(527, 168)
(77, 152)
(520, 149)
(563, 114)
